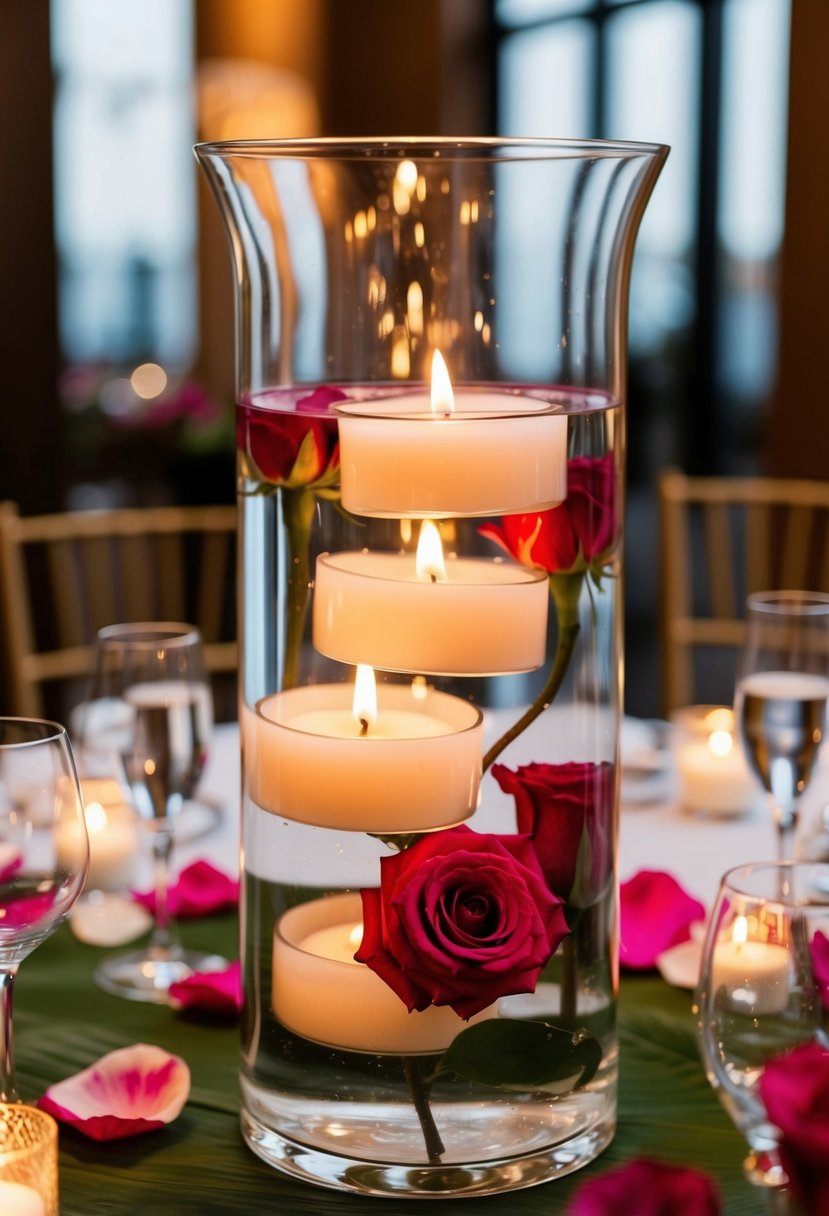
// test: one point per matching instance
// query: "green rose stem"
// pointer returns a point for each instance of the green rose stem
(419, 1091)
(298, 506)
(565, 590)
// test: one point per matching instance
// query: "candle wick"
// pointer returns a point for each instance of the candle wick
(363, 727)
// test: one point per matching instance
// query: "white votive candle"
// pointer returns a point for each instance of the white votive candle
(754, 974)
(321, 993)
(112, 832)
(19, 1200)
(471, 452)
(418, 766)
(483, 618)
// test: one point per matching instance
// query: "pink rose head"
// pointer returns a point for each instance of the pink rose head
(297, 447)
(568, 810)
(461, 919)
(795, 1091)
(647, 1188)
(656, 913)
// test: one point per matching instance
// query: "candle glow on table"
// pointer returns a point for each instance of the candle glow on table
(712, 772)
(420, 613)
(112, 832)
(755, 974)
(465, 453)
(417, 765)
(321, 993)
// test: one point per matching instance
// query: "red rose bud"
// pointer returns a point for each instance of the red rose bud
(580, 532)
(795, 1091)
(568, 811)
(647, 1188)
(292, 448)
(460, 919)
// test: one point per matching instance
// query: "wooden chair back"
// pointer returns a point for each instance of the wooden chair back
(722, 538)
(63, 577)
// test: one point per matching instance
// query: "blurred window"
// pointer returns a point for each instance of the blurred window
(711, 80)
(124, 180)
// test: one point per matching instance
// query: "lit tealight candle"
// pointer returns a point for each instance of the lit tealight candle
(443, 454)
(713, 776)
(113, 838)
(420, 613)
(320, 992)
(319, 755)
(755, 974)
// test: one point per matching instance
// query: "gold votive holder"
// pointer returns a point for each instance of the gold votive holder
(28, 1161)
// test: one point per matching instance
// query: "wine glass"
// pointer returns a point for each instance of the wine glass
(149, 715)
(44, 853)
(758, 994)
(781, 696)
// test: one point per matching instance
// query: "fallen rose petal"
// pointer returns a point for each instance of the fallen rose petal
(217, 992)
(647, 1188)
(127, 1092)
(656, 913)
(200, 890)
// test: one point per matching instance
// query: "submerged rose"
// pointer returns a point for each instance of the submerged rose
(578, 534)
(292, 448)
(568, 811)
(460, 919)
(795, 1092)
(647, 1188)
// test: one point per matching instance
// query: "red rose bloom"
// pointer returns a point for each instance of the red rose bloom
(460, 919)
(291, 448)
(580, 532)
(647, 1188)
(795, 1092)
(568, 811)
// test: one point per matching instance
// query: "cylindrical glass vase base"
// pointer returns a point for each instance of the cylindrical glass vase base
(352, 1171)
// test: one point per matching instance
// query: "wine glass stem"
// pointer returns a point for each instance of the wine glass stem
(8, 1093)
(164, 932)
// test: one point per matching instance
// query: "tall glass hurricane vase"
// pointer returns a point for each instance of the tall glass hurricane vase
(430, 423)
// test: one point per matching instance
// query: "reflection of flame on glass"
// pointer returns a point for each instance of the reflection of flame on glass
(720, 742)
(443, 399)
(429, 561)
(364, 704)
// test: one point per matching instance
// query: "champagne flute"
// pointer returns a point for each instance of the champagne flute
(758, 995)
(41, 811)
(781, 697)
(150, 713)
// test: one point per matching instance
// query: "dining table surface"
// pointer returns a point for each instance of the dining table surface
(200, 1164)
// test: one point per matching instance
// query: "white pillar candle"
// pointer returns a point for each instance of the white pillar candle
(483, 617)
(418, 766)
(712, 773)
(754, 974)
(113, 836)
(19, 1200)
(321, 993)
(473, 452)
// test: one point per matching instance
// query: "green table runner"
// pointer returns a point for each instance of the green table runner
(199, 1164)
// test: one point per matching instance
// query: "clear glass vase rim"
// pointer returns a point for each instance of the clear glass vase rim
(51, 731)
(736, 881)
(805, 603)
(172, 633)
(507, 149)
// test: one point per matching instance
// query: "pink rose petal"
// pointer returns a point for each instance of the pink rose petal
(656, 913)
(217, 992)
(200, 890)
(129, 1091)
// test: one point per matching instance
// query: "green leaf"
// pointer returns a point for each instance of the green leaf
(513, 1054)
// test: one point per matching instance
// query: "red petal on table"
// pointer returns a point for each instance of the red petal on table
(200, 890)
(656, 913)
(127, 1092)
(218, 992)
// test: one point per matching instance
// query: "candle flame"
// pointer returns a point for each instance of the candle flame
(364, 704)
(720, 742)
(96, 817)
(429, 561)
(443, 399)
(739, 933)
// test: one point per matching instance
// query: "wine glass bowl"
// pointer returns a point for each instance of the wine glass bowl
(781, 697)
(759, 995)
(40, 805)
(148, 717)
